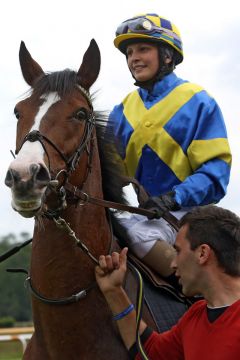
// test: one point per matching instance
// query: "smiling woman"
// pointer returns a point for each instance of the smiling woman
(170, 134)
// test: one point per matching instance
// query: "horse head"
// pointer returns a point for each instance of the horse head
(54, 131)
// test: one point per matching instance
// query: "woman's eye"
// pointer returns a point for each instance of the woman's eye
(81, 114)
(16, 113)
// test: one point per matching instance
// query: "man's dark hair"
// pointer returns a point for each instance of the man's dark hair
(220, 229)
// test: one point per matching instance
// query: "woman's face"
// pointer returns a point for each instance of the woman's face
(143, 60)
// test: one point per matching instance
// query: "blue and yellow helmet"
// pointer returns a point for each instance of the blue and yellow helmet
(149, 27)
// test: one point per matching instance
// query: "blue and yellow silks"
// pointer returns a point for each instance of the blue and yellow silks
(174, 138)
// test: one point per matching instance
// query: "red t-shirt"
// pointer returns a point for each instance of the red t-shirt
(195, 338)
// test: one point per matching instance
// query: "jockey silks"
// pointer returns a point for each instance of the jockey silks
(174, 137)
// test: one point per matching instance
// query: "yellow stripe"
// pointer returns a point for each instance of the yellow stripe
(171, 154)
(147, 122)
(201, 151)
(154, 19)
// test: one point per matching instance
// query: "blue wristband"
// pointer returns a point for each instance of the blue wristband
(124, 312)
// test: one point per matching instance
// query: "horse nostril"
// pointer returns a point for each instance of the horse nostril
(41, 175)
(34, 169)
(12, 177)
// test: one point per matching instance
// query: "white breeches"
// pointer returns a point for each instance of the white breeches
(143, 233)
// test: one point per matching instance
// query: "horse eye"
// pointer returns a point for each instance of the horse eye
(16, 113)
(81, 114)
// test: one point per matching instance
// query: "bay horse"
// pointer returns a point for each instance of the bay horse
(61, 152)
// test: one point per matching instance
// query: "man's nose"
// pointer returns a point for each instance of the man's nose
(173, 264)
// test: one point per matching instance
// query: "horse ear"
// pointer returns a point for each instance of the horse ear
(30, 68)
(90, 67)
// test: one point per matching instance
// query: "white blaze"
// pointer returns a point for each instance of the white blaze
(33, 152)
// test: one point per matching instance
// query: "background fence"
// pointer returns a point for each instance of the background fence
(21, 334)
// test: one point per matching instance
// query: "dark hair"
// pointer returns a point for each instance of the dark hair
(220, 229)
(163, 51)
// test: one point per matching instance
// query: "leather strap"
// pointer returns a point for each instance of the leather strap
(85, 198)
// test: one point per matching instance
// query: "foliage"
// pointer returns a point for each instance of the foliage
(14, 299)
(7, 321)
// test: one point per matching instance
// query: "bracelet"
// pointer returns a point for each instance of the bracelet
(123, 313)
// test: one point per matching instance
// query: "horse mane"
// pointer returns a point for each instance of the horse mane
(111, 164)
(64, 82)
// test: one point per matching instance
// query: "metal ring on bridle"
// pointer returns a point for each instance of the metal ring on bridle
(85, 200)
(65, 176)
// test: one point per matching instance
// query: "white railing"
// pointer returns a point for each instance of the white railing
(17, 334)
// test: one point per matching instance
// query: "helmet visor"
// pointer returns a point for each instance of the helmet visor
(143, 26)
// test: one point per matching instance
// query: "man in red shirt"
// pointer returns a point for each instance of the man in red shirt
(207, 263)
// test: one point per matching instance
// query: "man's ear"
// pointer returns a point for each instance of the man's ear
(204, 251)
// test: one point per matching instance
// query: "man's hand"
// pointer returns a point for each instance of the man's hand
(161, 204)
(110, 273)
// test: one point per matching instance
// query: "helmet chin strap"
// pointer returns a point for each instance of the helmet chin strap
(148, 84)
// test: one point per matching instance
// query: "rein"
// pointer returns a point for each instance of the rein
(62, 224)
(63, 301)
(83, 198)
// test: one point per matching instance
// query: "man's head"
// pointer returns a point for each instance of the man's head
(220, 229)
(209, 238)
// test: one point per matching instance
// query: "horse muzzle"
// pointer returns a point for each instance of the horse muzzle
(28, 189)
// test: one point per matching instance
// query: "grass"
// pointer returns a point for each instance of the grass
(10, 350)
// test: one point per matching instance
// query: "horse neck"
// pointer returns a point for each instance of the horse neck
(88, 213)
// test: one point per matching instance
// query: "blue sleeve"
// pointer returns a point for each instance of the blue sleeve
(210, 158)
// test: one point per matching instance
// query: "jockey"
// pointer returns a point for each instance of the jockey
(170, 134)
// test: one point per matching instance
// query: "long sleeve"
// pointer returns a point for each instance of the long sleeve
(210, 159)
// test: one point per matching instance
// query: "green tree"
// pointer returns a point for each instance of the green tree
(15, 298)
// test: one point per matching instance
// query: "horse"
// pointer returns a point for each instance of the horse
(63, 160)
